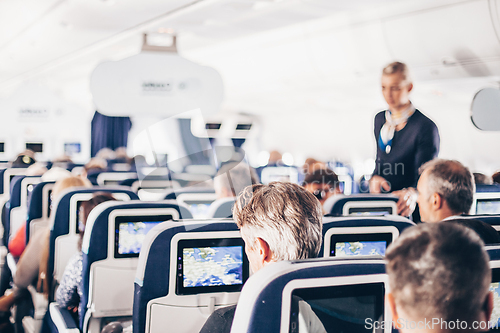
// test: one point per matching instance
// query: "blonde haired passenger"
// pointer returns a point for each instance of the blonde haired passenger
(279, 221)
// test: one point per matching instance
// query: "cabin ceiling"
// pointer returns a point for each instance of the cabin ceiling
(37, 36)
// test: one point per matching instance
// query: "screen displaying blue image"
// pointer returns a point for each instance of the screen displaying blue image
(212, 266)
(365, 248)
(72, 148)
(131, 235)
(489, 206)
(495, 315)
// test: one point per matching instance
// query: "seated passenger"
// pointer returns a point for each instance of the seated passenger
(496, 177)
(63, 161)
(95, 164)
(33, 262)
(232, 178)
(17, 243)
(439, 279)
(25, 159)
(279, 221)
(323, 183)
(93, 167)
(105, 154)
(311, 165)
(36, 169)
(69, 292)
(55, 174)
(121, 156)
(481, 178)
(445, 190)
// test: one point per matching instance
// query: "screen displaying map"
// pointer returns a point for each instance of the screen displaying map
(488, 207)
(495, 315)
(131, 235)
(365, 248)
(212, 266)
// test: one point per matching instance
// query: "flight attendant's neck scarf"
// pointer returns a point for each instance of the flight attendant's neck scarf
(391, 122)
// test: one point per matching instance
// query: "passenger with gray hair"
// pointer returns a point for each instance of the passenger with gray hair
(439, 279)
(232, 178)
(445, 190)
(279, 221)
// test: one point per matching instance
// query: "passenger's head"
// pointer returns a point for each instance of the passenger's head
(311, 165)
(485, 231)
(62, 159)
(496, 177)
(86, 208)
(446, 188)
(95, 164)
(279, 221)
(37, 169)
(232, 178)
(24, 160)
(396, 85)
(481, 178)
(121, 154)
(274, 157)
(68, 182)
(56, 173)
(323, 183)
(106, 154)
(438, 270)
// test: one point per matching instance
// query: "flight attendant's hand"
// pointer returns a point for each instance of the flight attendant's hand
(407, 201)
(377, 183)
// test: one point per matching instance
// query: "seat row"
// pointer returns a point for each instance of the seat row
(162, 295)
(113, 267)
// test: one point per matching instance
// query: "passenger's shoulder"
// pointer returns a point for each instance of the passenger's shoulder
(220, 321)
(227, 311)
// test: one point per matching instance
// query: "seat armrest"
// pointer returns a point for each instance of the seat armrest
(62, 319)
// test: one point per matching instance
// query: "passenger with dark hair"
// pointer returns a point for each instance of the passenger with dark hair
(323, 183)
(405, 137)
(24, 160)
(311, 165)
(445, 190)
(482, 179)
(439, 280)
(496, 177)
(69, 292)
(487, 233)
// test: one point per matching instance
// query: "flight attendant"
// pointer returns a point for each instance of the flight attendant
(405, 137)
